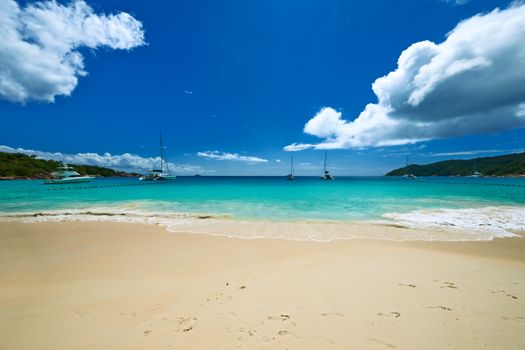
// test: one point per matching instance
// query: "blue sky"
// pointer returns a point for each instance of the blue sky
(243, 78)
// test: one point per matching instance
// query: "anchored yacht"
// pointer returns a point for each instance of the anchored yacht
(66, 175)
(163, 173)
(291, 176)
(326, 175)
(475, 172)
(407, 174)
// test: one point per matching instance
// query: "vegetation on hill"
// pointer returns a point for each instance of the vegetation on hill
(506, 165)
(17, 165)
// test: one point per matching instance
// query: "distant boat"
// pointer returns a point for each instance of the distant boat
(67, 175)
(291, 176)
(407, 174)
(475, 172)
(163, 173)
(326, 174)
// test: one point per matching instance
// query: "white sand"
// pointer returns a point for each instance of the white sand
(131, 286)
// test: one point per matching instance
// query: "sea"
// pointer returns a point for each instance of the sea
(429, 208)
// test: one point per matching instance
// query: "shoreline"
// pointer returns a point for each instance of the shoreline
(431, 224)
(87, 285)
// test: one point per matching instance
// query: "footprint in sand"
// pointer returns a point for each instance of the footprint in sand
(282, 317)
(184, 324)
(451, 285)
(407, 285)
(440, 307)
(146, 332)
(241, 332)
(267, 339)
(393, 314)
(283, 333)
(503, 293)
(219, 298)
(514, 318)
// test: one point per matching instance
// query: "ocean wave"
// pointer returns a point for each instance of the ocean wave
(500, 221)
(427, 224)
(105, 214)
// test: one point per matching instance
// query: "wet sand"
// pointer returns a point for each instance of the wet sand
(81, 285)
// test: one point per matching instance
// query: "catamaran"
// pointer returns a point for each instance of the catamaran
(407, 174)
(326, 174)
(163, 173)
(475, 172)
(67, 175)
(291, 176)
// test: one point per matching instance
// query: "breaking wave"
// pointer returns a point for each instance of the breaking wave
(472, 224)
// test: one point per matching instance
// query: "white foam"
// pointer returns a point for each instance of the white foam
(428, 224)
(478, 222)
(104, 214)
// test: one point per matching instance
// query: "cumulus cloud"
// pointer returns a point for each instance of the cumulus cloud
(471, 83)
(39, 46)
(126, 162)
(230, 156)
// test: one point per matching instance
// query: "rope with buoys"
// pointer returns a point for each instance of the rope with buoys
(69, 187)
(474, 183)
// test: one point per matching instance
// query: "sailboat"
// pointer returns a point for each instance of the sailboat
(326, 175)
(163, 173)
(291, 176)
(475, 172)
(407, 174)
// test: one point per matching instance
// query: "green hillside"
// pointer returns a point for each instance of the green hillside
(506, 165)
(17, 165)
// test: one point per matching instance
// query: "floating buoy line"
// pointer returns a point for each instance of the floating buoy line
(68, 187)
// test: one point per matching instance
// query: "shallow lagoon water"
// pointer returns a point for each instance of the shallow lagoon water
(427, 202)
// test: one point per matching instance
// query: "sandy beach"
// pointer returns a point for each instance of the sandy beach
(81, 285)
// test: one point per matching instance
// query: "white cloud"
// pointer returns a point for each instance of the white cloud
(473, 152)
(126, 162)
(230, 156)
(413, 152)
(39, 57)
(278, 160)
(294, 147)
(471, 83)
(463, 153)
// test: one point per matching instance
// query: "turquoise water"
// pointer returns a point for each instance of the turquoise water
(271, 198)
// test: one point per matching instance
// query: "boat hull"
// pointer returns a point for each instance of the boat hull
(68, 180)
(166, 178)
(158, 178)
